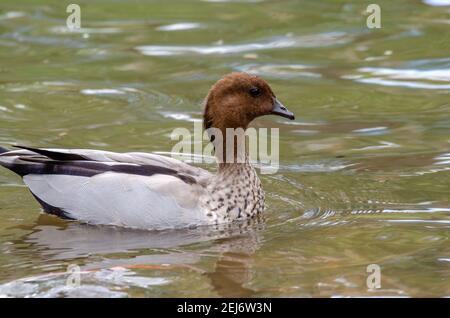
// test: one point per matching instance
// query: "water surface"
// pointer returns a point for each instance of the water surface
(364, 175)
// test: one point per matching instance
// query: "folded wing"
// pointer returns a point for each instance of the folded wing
(130, 189)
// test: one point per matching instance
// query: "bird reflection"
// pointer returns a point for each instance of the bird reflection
(232, 245)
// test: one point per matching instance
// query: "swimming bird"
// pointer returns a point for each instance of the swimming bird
(150, 191)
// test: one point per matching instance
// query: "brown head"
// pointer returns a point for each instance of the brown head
(238, 98)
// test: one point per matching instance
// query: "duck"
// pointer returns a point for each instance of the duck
(152, 191)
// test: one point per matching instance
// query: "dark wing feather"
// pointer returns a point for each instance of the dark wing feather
(42, 165)
(54, 154)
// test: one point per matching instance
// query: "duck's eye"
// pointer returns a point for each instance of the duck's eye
(255, 92)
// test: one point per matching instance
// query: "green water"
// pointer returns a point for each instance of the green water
(364, 169)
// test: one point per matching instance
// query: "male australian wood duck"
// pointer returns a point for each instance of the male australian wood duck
(149, 191)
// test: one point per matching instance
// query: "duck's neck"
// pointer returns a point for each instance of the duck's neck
(230, 148)
(234, 168)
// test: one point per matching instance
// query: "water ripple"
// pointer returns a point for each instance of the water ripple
(410, 78)
(12, 15)
(54, 284)
(381, 145)
(180, 116)
(280, 42)
(46, 40)
(419, 221)
(372, 131)
(179, 26)
(432, 75)
(437, 3)
(443, 159)
(66, 30)
(283, 71)
(317, 167)
(239, 1)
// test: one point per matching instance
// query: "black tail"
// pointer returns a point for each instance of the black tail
(2, 150)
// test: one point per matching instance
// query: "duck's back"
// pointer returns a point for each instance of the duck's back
(133, 189)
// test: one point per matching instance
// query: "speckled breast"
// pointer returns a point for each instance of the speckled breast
(235, 194)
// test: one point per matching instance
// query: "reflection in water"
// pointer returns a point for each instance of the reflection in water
(234, 245)
(232, 271)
